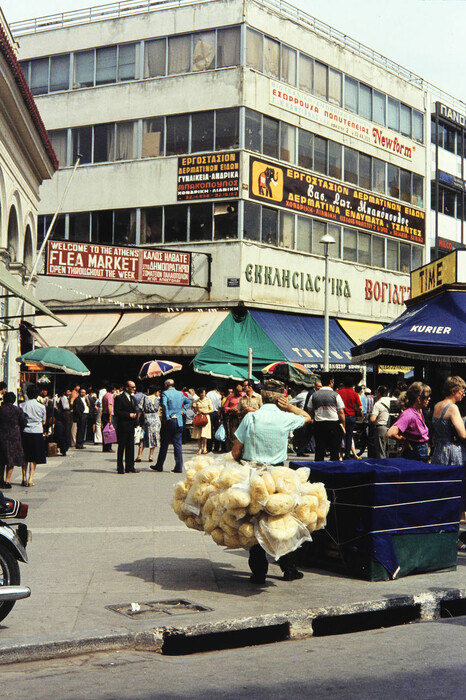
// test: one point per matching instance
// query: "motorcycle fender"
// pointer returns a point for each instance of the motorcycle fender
(10, 539)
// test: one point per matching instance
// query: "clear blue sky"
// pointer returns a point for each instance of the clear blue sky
(426, 36)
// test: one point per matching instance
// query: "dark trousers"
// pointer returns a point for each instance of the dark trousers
(105, 421)
(171, 434)
(327, 434)
(302, 438)
(259, 565)
(67, 419)
(60, 436)
(125, 437)
(213, 444)
(350, 422)
(81, 430)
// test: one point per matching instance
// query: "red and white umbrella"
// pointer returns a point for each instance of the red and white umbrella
(157, 368)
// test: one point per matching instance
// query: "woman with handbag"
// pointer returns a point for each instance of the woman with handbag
(202, 429)
(150, 422)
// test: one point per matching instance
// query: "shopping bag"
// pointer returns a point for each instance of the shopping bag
(109, 434)
(199, 420)
(138, 435)
(220, 433)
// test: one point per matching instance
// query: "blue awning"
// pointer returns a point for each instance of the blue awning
(301, 338)
(433, 330)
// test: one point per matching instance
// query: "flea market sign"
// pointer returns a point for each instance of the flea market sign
(317, 195)
(86, 260)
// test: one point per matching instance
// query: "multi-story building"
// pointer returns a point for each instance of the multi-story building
(238, 133)
(26, 159)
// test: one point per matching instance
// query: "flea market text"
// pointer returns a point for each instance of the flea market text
(119, 264)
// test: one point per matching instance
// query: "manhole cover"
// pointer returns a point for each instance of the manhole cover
(177, 606)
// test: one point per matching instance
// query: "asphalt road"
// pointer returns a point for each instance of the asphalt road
(422, 660)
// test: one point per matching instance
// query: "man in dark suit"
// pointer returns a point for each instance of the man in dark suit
(80, 416)
(126, 414)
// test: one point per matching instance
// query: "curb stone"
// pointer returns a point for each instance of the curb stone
(298, 624)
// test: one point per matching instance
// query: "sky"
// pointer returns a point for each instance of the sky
(425, 36)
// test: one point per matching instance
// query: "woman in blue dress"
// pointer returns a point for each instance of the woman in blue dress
(150, 422)
(449, 430)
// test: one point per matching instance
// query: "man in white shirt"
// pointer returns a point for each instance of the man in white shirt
(216, 399)
(379, 423)
(328, 412)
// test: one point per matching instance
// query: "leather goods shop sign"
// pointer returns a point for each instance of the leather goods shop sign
(208, 176)
(149, 266)
(308, 193)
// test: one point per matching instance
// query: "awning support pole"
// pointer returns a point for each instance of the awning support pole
(249, 362)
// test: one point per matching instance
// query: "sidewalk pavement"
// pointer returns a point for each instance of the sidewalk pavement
(103, 539)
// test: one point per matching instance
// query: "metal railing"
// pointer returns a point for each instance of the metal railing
(283, 9)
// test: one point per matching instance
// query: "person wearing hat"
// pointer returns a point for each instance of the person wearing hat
(262, 436)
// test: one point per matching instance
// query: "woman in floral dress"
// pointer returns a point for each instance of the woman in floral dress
(150, 422)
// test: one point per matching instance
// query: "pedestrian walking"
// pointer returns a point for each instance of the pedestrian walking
(150, 422)
(328, 414)
(215, 397)
(12, 423)
(410, 427)
(108, 410)
(33, 435)
(81, 409)
(231, 415)
(173, 408)
(262, 436)
(202, 433)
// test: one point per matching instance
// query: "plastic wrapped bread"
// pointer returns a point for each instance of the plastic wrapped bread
(240, 505)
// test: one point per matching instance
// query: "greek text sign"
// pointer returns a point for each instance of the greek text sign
(316, 195)
(316, 110)
(85, 260)
(208, 176)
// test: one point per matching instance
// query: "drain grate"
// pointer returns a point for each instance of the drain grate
(178, 606)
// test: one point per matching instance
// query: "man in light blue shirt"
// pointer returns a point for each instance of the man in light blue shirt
(262, 436)
(173, 404)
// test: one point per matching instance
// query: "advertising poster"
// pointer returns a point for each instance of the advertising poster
(208, 176)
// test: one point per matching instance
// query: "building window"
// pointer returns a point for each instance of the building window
(418, 126)
(392, 254)
(405, 120)
(365, 101)
(125, 141)
(334, 86)
(151, 225)
(320, 79)
(393, 180)
(378, 251)
(393, 114)
(334, 159)
(350, 245)
(126, 62)
(59, 140)
(254, 49)
(271, 57)
(59, 73)
(305, 73)
(320, 155)
(378, 107)
(106, 65)
(288, 65)
(84, 69)
(364, 248)
(155, 58)
(39, 83)
(318, 230)
(378, 176)
(200, 228)
(104, 143)
(203, 51)
(304, 240)
(102, 226)
(82, 144)
(253, 131)
(305, 149)
(225, 220)
(202, 132)
(176, 224)
(179, 54)
(351, 165)
(79, 227)
(286, 233)
(228, 47)
(365, 171)
(251, 221)
(177, 128)
(287, 142)
(152, 137)
(405, 186)
(226, 129)
(351, 94)
(269, 226)
(270, 137)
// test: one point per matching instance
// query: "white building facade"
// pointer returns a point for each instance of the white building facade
(239, 132)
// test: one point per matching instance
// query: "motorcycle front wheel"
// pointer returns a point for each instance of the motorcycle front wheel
(9, 576)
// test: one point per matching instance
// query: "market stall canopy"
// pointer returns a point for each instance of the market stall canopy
(273, 337)
(291, 372)
(55, 358)
(227, 371)
(148, 333)
(432, 330)
(158, 368)
(13, 285)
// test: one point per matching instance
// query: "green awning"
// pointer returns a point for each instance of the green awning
(230, 344)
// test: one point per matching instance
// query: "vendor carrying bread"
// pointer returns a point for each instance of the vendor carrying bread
(262, 437)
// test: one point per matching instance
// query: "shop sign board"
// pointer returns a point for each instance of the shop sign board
(100, 262)
(316, 195)
(208, 176)
(316, 110)
(440, 273)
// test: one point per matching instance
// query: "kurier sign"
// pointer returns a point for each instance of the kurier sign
(317, 195)
(86, 260)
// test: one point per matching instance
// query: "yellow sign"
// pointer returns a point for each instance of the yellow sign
(393, 369)
(434, 275)
(267, 181)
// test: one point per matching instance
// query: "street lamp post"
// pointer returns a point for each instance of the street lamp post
(326, 241)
